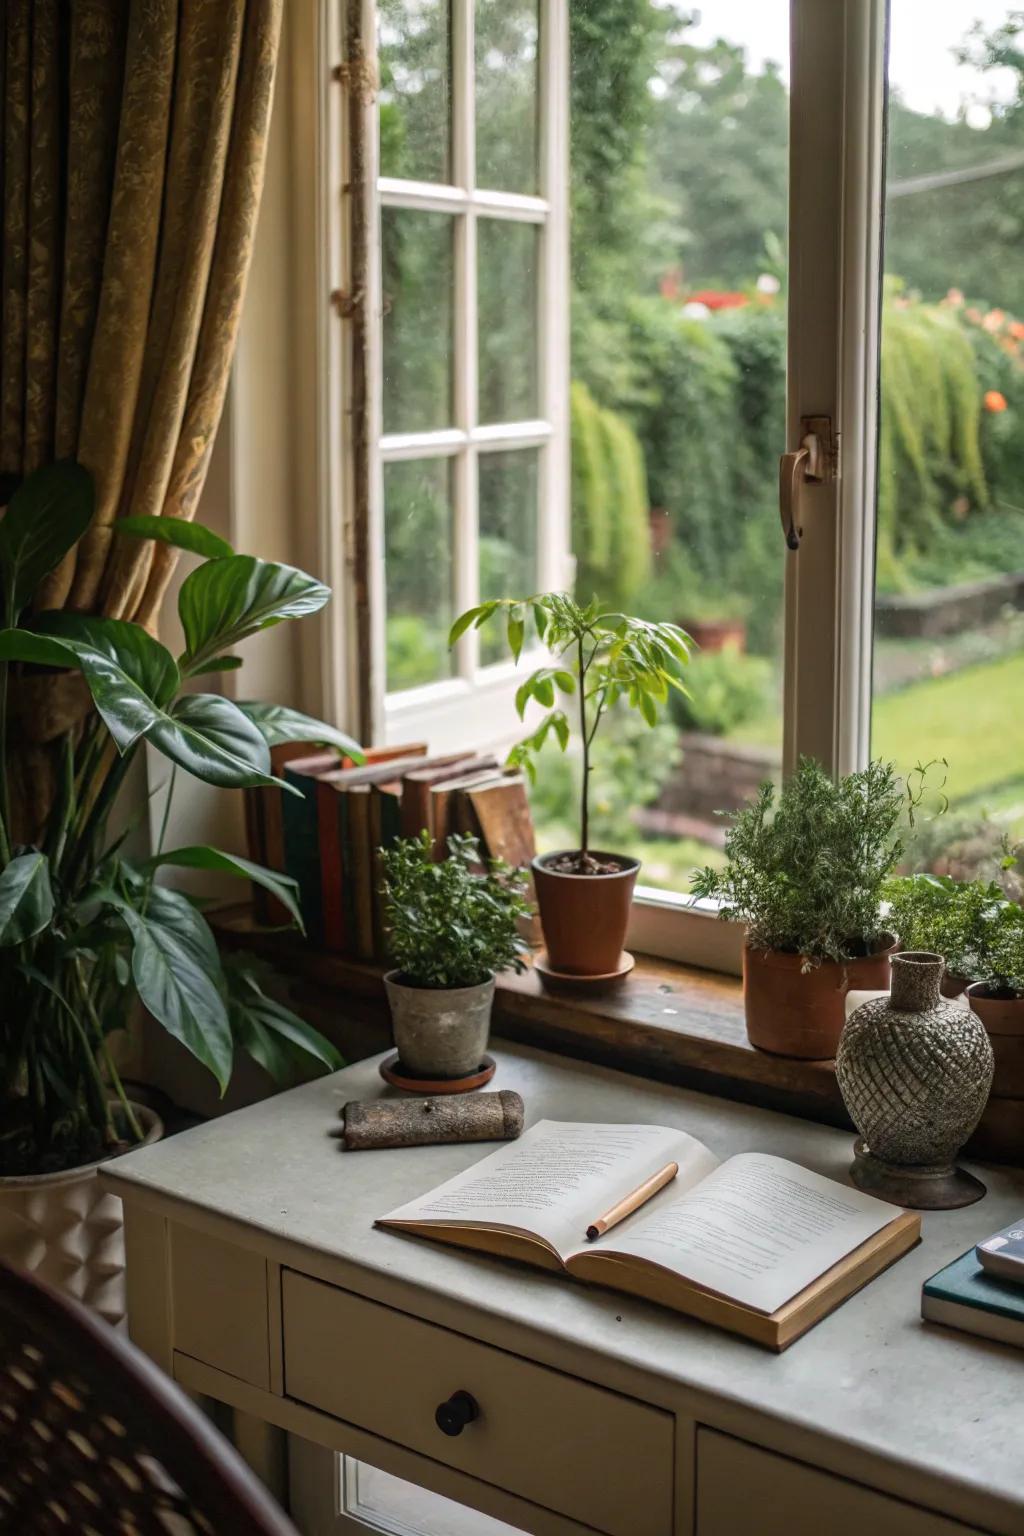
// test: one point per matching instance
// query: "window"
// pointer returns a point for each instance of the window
(472, 449)
(717, 234)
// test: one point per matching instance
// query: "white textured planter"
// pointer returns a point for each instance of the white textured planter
(65, 1229)
(440, 1032)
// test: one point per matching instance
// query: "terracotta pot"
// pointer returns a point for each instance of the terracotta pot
(65, 1229)
(440, 1032)
(717, 634)
(584, 917)
(953, 985)
(1002, 1014)
(793, 1012)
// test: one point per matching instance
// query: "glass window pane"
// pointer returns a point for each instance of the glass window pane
(415, 89)
(506, 95)
(949, 626)
(418, 538)
(507, 295)
(679, 197)
(418, 278)
(508, 533)
(383, 1502)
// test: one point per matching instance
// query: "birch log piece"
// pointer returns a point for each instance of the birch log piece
(426, 1122)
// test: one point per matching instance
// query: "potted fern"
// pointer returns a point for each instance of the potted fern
(598, 659)
(805, 871)
(450, 930)
(86, 932)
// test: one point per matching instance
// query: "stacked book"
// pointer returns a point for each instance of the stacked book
(982, 1291)
(328, 836)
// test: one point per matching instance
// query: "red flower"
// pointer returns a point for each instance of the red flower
(717, 298)
(994, 400)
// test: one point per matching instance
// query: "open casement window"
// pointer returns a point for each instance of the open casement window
(717, 234)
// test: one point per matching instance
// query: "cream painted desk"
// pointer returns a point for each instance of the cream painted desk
(256, 1277)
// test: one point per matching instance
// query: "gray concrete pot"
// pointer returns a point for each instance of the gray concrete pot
(440, 1032)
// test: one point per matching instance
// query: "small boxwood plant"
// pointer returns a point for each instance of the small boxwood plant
(950, 917)
(1004, 952)
(449, 926)
(806, 867)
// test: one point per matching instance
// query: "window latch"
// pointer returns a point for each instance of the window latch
(814, 463)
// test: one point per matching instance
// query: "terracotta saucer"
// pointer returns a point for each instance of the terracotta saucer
(392, 1071)
(568, 981)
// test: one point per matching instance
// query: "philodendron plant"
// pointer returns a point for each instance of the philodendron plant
(85, 930)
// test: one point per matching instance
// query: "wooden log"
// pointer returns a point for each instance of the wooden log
(426, 1122)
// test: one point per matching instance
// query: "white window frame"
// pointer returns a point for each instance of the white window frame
(836, 160)
(475, 704)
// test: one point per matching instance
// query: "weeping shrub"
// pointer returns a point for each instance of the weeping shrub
(609, 503)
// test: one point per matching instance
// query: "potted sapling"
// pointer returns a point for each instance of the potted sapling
(598, 659)
(998, 998)
(805, 872)
(450, 930)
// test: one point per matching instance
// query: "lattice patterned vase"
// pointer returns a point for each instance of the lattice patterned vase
(915, 1070)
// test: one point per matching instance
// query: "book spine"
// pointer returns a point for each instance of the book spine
(301, 850)
(331, 867)
(415, 808)
(362, 872)
(386, 826)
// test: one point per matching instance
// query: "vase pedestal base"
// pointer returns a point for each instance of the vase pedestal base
(923, 1188)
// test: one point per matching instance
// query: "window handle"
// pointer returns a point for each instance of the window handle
(813, 462)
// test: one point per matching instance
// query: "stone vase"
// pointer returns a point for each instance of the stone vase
(915, 1070)
(440, 1032)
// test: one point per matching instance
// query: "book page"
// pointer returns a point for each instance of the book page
(558, 1178)
(757, 1230)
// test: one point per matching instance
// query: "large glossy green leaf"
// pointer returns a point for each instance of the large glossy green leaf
(224, 601)
(108, 648)
(282, 1043)
(276, 723)
(199, 857)
(194, 537)
(26, 899)
(46, 516)
(176, 970)
(210, 737)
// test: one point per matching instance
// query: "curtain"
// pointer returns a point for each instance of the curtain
(133, 136)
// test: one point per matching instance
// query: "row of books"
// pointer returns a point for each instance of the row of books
(328, 837)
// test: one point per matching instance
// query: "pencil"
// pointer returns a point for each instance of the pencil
(633, 1202)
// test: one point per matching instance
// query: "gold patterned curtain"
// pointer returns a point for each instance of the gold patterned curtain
(133, 136)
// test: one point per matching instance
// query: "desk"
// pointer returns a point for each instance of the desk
(256, 1277)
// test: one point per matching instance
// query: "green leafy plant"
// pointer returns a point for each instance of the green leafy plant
(84, 930)
(1004, 956)
(599, 658)
(447, 925)
(950, 917)
(805, 870)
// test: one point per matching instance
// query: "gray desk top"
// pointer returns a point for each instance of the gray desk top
(872, 1378)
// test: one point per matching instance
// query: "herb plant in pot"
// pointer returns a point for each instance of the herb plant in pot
(599, 659)
(450, 930)
(805, 872)
(998, 998)
(949, 917)
(87, 932)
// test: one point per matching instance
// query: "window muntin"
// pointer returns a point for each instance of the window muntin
(470, 323)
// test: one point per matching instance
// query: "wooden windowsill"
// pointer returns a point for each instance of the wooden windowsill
(675, 1023)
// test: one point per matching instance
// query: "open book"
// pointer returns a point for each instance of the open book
(755, 1244)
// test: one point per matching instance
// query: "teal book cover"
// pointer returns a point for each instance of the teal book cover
(302, 851)
(966, 1284)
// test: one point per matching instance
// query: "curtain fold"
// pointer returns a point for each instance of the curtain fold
(134, 138)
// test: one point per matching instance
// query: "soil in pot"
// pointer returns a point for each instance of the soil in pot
(584, 909)
(1002, 1013)
(796, 1012)
(440, 1033)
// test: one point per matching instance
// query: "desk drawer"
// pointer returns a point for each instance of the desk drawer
(793, 1499)
(590, 1454)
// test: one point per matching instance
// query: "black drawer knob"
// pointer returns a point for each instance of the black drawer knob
(452, 1417)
